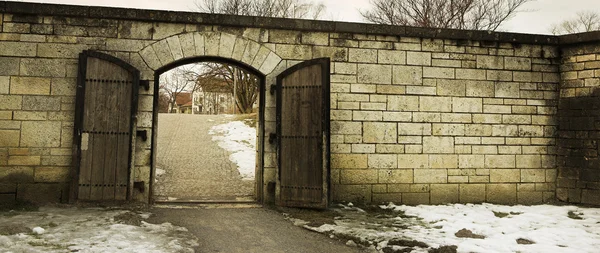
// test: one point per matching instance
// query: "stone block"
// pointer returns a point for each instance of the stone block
(415, 198)
(349, 161)
(438, 145)
(315, 38)
(409, 75)
(533, 175)
(358, 176)
(16, 174)
(362, 55)
(51, 174)
(472, 193)
(446, 87)
(480, 89)
(530, 198)
(30, 85)
(443, 161)
(471, 161)
(59, 50)
(430, 176)
(382, 161)
(517, 63)
(471, 105)
(470, 74)
(10, 66)
(436, 72)
(507, 90)
(41, 103)
(384, 198)
(63, 86)
(418, 58)
(345, 127)
(377, 74)
(374, 132)
(591, 197)
(529, 161)
(40, 134)
(391, 57)
(501, 194)
(352, 193)
(9, 138)
(396, 176)
(414, 129)
(490, 62)
(444, 194)
(389, 149)
(435, 104)
(505, 175)
(413, 161)
(500, 161)
(8, 48)
(42, 193)
(403, 103)
(336, 54)
(448, 129)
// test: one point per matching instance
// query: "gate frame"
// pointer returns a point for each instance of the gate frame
(259, 177)
(325, 122)
(78, 123)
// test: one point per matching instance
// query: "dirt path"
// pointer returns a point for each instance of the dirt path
(238, 229)
(190, 166)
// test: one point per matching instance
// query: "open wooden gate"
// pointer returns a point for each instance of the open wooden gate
(303, 135)
(107, 91)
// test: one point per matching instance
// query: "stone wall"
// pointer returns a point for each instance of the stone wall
(579, 118)
(417, 115)
(422, 121)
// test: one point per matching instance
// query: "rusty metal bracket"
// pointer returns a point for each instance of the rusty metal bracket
(145, 84)
(143, 134)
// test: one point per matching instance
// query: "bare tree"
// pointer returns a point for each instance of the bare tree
(263, 8)
(457, 14)
(175, 82)
(238, 81)
(585, 21)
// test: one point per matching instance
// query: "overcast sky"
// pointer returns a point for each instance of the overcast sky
(537, 18)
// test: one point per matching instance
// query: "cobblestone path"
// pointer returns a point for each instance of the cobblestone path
(190, 166)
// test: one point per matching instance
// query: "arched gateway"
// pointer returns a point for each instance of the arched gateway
(104, 160)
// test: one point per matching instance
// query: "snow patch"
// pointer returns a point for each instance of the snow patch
(91, 230)
(549, 227)
(240, 140)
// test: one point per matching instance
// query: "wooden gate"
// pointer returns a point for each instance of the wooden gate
(107, 91)
(303, 135)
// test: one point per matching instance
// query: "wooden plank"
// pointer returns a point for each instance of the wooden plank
(97, 176)
(124, 119)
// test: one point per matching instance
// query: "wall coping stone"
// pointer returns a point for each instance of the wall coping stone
(288, 24)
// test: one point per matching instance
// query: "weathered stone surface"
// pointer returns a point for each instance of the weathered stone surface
(431, 176)
(9, 138)
(348, 161)
(30, 85)
(444, 193)
(501, 193)
(380, 132)
(472, 193)
(371, 73)
(40, 134)
(41, 103)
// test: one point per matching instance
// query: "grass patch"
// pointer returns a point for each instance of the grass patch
(575, 216)
(500, 214)
(249, 119)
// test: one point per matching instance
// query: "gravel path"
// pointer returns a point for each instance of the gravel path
(248, 230)
(191, 166)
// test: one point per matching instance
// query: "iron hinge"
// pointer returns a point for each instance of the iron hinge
(143, 134)
(145, 84)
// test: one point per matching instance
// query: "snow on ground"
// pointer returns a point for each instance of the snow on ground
(549, 228)
(88, 230)
(240, 140)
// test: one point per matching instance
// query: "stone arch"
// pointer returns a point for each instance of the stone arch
(210, 44)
